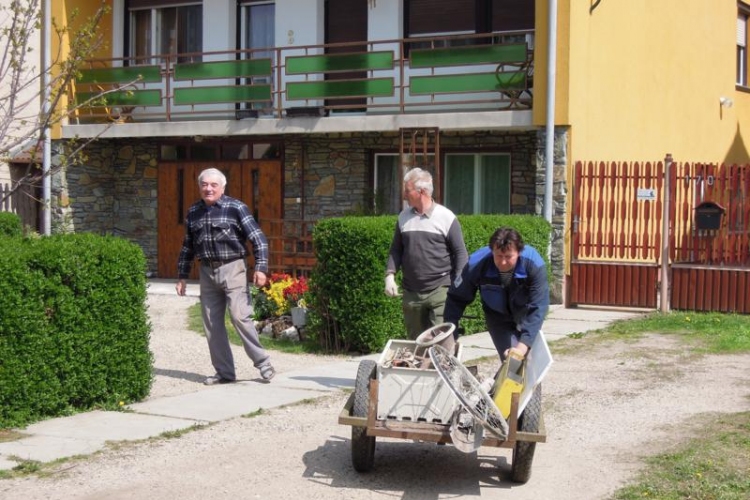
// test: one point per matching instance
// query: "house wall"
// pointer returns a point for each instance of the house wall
(645, 80)
(17, 129)
(115, 191)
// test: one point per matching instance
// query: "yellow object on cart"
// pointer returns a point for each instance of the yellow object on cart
(510, 380)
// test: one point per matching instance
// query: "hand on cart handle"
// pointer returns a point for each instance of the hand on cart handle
(518, 351)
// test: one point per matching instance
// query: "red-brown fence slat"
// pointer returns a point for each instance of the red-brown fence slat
(610, 208)
(659, 209)
(600, 210)
(590, 209)
(576, 238)
(646, 216)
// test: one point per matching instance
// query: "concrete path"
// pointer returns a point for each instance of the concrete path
(89, 432)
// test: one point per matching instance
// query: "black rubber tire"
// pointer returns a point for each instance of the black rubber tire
(363, 446)
(523, 451)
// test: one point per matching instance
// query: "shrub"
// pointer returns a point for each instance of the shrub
(74, 331)
(10, 224)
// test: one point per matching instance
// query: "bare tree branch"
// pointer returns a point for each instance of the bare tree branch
(23, 118)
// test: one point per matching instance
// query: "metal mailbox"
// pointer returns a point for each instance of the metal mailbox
(708, 216)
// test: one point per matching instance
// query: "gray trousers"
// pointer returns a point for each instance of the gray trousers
(222, 288)
(423, 310)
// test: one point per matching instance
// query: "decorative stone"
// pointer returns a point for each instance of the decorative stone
(290, 333)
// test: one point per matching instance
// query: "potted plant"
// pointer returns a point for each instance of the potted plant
(295, 298)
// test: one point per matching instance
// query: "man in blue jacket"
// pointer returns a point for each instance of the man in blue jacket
(512, 281)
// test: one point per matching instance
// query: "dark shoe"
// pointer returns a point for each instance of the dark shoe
(215, 379)
(267, 372)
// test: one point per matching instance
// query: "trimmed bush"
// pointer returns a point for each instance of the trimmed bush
(349, 309)
(10, 224)
(74, 331)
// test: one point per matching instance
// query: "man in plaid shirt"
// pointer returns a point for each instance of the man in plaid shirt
(216, 229)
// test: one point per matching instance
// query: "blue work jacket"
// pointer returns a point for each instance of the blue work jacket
(522, 305)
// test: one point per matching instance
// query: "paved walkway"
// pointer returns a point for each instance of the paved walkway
(87, 433)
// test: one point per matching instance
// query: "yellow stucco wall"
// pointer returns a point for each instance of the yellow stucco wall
(637, 79)
(72, 14)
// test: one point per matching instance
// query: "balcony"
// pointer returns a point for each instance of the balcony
(469, 73)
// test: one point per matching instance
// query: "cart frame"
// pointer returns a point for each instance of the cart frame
(437, 433)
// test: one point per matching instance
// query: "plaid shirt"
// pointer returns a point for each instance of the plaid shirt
(219, 232)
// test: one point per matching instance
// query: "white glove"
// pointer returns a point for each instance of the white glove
(391, 289)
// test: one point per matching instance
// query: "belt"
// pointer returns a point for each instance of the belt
(215, 264)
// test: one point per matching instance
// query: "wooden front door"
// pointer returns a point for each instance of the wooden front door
(256, 183)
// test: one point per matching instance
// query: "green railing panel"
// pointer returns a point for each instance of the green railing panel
(211, 95)
(150, 74)
(297, 65)
(223, 69)
(487, 82)
(121, 98)
(483, 54)
(334, 89)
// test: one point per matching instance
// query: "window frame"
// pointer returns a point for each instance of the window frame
(155, 43)
(741, 54)
(378, 204)
(478, 181)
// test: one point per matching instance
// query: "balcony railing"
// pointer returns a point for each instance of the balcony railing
(439, 74)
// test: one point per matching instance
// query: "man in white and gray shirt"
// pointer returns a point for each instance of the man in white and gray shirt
(428, 246)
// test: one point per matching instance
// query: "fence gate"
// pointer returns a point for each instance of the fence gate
(616, 234)
(709, 244)
(616, 242)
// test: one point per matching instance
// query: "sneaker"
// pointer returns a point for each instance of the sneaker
(216, 379)
(267, 372)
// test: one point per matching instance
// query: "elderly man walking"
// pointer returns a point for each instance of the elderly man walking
(216, 230)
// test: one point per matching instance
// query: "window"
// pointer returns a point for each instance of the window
(742, 49)
(473, 183)
(389, 179)
(165, 30)
(435, 18)
(477, 183)
(258, 35)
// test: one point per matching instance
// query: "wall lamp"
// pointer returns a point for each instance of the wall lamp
(725, 102)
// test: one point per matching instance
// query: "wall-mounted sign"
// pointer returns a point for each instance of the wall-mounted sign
(646, 194)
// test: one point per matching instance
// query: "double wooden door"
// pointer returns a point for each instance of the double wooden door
(257, 183)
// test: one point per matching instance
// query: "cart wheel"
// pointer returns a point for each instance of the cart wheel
(523, 451)
(469, 391)
(363, 446)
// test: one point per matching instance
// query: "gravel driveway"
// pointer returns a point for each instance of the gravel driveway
(606, 406)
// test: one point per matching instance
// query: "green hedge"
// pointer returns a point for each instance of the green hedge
(10, 224)
(74, 330)
(350, 310)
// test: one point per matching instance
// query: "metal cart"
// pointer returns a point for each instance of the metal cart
(424, 403)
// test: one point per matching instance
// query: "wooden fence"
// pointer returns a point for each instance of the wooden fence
(618, 230)
(24, 202)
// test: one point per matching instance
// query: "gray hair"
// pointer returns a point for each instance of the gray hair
(421, 179)
(213, 172)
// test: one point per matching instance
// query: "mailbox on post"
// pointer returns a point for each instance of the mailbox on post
(708, 216)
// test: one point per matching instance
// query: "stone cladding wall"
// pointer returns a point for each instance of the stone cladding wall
(115, 190)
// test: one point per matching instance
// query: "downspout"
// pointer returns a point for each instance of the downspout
(549, 147)
(45, 95)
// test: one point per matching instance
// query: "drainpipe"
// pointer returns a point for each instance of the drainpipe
(47, 151)
(549, 147)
